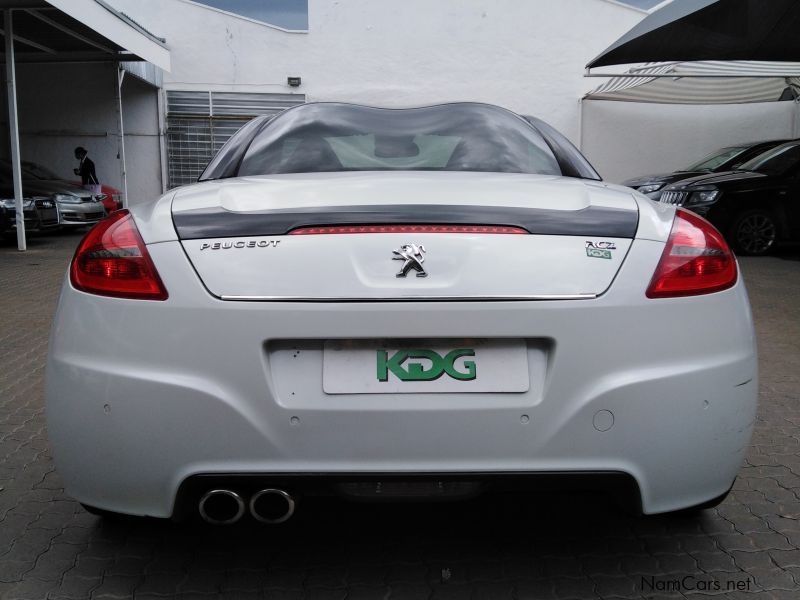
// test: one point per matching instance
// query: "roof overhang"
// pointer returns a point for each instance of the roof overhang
(80, 31)
(710, 30)
(705, 82)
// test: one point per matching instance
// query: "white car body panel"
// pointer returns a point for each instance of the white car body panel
(663, 390)
(361, 267)
(354, 266)
(310, 190)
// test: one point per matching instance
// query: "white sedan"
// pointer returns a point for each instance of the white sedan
(398, 303)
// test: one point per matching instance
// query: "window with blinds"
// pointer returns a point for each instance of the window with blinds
(199, 123)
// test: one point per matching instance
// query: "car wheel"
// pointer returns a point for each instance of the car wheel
(754, 233)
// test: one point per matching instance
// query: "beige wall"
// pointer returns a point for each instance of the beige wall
(628, 139)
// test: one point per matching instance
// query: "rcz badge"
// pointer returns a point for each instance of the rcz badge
(599, 249)
(413, 256)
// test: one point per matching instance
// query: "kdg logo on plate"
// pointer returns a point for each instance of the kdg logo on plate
(399, 365)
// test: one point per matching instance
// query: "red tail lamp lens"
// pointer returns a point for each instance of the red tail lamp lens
(696, 260)
(345, 229)
(112, 260)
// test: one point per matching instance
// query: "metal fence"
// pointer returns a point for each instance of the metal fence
(199, 123)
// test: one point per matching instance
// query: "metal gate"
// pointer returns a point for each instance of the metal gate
(199, 123)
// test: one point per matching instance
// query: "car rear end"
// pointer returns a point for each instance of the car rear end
(109, 204)
(112, 199)
(249, 368)
(248, 340)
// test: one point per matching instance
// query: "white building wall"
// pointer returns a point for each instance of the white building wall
(528, 56)
(627, 139)
(142, 142)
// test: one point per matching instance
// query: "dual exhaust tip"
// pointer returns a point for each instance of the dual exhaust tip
(226, 507)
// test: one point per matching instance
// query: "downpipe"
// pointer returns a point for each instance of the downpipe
(272, 506)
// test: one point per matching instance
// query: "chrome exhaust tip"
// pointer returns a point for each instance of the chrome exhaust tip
(271, 506)
(221, 507)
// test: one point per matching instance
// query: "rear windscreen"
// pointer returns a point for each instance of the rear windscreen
(453, 137)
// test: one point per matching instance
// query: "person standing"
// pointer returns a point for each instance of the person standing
(86, 168)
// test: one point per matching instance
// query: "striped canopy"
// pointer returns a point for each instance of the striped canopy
(704, 82)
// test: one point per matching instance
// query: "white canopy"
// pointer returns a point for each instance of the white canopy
(706, 82)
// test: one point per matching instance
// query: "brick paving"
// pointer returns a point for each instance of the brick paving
(562, 547)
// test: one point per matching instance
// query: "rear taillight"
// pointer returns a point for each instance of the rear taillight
(696, 260)
(112, 260)
(345, 229)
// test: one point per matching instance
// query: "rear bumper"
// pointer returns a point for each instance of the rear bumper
(144, 396)
(403, 487)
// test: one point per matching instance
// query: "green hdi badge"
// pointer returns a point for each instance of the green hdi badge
(416, 371)
(600, 249)
(598, 253)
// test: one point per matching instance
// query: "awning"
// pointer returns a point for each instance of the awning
(80, 31)
(703, 30)
(709, 82)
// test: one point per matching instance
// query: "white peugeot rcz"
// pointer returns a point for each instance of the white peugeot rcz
(398, 303)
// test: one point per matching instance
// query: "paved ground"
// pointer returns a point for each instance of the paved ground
(548, 548)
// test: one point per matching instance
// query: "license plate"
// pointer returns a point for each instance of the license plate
(419, 366)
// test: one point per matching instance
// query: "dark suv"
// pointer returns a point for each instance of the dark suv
(756, 206)
(724, 159)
